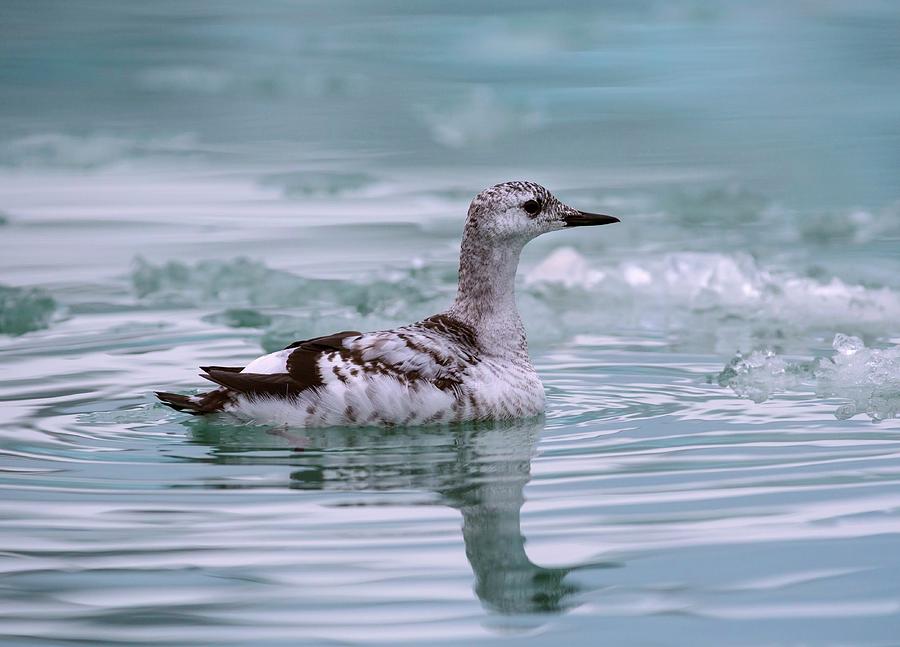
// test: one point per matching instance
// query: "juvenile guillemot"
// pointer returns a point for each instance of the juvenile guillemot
(465, 364)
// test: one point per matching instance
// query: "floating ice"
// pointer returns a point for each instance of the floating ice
(252, 294)
(847, 344)
(565, 267)
(760, 374)
(869, 378)
(709, 300)
(23, 310)
(726, 295)
(236, 282)
(245, 282)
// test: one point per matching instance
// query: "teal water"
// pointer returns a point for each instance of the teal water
(191, 183)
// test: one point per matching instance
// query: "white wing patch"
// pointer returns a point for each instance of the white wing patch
(269, 364)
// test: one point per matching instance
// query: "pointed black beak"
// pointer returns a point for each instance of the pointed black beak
(585, 219)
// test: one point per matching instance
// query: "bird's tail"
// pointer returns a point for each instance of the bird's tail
(198, 405)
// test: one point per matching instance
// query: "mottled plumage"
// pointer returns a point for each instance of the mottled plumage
(468, 363)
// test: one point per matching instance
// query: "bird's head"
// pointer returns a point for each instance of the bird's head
(520, 211)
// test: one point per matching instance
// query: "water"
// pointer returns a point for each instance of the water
(193, 183)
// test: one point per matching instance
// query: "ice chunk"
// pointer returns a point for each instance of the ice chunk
(256, 296)
(761, 374)
(243, 282)
(728, 296)
(847, 344)
(869, 378)
(566, 267)
(23, 310)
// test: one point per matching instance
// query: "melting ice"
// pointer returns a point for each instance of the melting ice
(868, 378)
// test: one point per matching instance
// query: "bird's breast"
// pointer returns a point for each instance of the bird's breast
(500, 389)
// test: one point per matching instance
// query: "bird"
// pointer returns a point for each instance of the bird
(468, 363)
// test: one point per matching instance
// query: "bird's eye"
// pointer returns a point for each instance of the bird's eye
(532, 207)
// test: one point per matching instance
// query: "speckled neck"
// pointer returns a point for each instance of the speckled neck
(486, 298)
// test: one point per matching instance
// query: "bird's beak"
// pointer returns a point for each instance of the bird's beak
(584, 219)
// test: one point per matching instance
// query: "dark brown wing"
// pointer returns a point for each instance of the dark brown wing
(302, 364)
(302, 373)
(302, 369)
(333, 341)
(230, 369)
(272, 385)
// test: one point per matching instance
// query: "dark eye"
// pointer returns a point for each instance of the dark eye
(532, 207)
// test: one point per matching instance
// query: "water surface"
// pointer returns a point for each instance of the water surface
(195, 183)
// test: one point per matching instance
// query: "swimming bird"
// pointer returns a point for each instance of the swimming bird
(467, 363)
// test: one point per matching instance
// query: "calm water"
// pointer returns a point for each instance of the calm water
(186, 183)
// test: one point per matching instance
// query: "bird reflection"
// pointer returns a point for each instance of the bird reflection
(480, 470)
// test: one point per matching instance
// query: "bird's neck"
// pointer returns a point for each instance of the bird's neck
(486, 297)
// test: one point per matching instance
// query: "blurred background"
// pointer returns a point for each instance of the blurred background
(199, 182)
